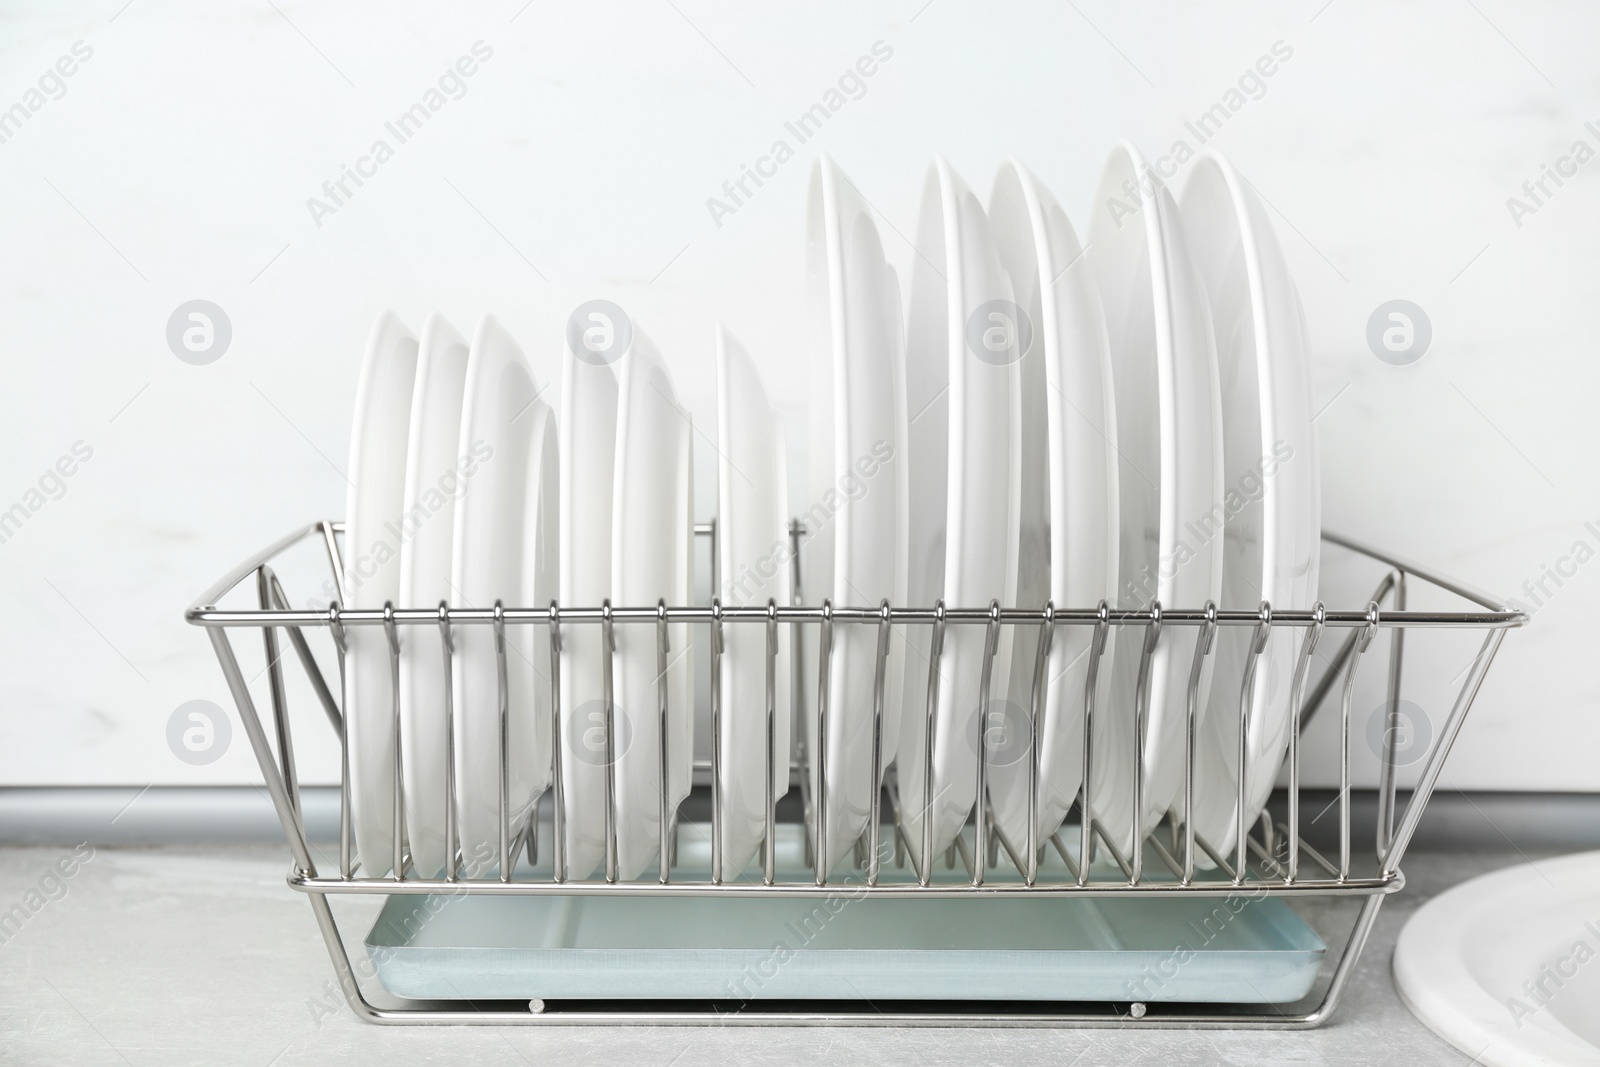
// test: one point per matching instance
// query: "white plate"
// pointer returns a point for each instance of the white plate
(436, 475)
(652, 560)
(1068, 513)
(1272, 534)
(505, 549)
(856, 511)
(373, 510)
(753, 557)
(964, 394)
(1164, 363)
(588, 452)
(1499, 966)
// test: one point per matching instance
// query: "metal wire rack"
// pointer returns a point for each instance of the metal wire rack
(1270, 859)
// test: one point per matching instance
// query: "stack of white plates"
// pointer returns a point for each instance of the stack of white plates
(1126, 419)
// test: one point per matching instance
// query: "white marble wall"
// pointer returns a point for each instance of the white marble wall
(176, 162)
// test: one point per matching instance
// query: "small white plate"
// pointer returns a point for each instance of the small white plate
(856, 511)
(504, 550)
(652, 560)
(1272, 535)
(373, 511)
(436, 476)
(1068, 516)
(588, 461)
(963, 345)
(753, 555)
(1169, 437)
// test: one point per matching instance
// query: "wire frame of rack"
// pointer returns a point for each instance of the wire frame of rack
(1270, 857)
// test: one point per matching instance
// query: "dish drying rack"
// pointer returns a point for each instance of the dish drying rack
(1271, 858)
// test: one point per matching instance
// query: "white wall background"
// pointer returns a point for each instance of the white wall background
(178, 161)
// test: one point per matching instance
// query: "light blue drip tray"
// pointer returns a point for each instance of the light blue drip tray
(1242, 948)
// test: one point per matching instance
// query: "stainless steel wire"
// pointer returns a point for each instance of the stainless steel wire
(1255, 861)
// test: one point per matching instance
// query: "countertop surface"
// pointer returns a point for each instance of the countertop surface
(201, 955)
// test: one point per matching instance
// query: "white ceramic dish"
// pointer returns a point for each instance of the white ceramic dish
(373, 509)
(1502, 966)
(588, 452)
(753, 570)
(1068, 513)
(1271, 537)
(856, 512)
(964, 395)
(652, 561)
(1163, 357)
(505, 549)
(436, 475)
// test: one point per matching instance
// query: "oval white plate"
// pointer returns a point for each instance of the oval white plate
(436, 476)
(856, 511)
(652, 560)
(1272, 534)
(753, 555)
(1068, 515)
(965, 442)
(1164, 364)
(373, 509)
(505, 549)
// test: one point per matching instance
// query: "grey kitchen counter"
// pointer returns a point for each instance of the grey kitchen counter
(201, 955)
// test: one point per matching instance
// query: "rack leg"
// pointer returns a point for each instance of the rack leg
(342, 969)
(288, 815)
(1346, 965)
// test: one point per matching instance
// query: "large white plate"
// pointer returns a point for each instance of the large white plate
(437, 473)
(652, 560)
(1499, 965)
(588, 452)
(753, 568)
(1164, 364)
(373, 510)
(1271, 540)
(856, 511)
(1068, 513)
(505, 549)
(964, 394)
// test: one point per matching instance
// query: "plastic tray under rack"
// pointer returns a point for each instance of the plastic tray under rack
(1242, 949)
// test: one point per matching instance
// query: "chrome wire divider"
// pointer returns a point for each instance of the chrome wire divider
(1377, 874)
